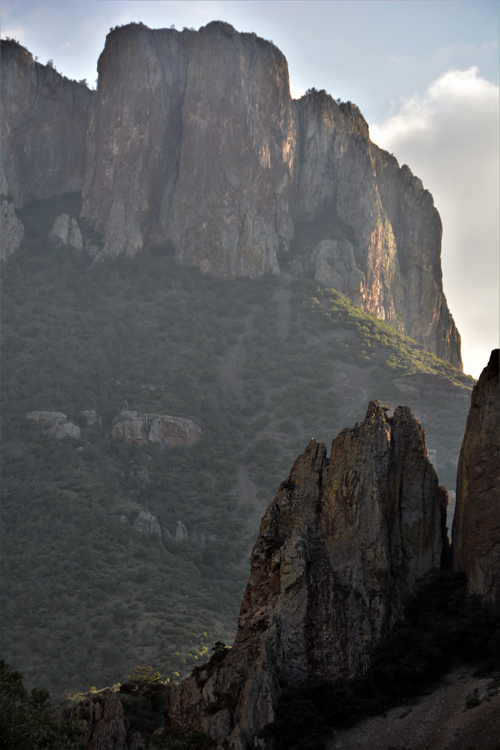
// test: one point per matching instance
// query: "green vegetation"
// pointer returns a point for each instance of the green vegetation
(442, 626)
(85, 596)
(27, 720)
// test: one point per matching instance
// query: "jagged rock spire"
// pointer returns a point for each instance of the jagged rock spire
(340, 546)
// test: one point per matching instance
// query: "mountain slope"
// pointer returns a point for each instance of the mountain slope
(260, 365)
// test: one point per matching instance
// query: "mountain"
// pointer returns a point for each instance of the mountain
(193, 139)
(152, 402)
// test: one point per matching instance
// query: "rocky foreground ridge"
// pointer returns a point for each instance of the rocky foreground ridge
(340, 546)
(192, 138)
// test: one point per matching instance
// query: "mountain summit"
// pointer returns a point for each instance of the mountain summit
(193, 140)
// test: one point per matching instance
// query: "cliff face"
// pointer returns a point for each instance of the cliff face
(341, 544)
(44, 122)
(476, 525)
(194, 139)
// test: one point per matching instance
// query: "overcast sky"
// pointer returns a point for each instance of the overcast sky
(423, 72)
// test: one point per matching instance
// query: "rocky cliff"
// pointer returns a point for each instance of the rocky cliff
(44, 123)
(342, 543)
(194, 139)
(476, 525)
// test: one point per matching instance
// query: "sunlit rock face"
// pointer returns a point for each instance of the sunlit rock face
(476, 525)
(342, 543)
(44, 122)
(193, 139)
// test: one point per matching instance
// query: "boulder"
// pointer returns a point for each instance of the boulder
(146, 523)
(66, 231)
(155, 428)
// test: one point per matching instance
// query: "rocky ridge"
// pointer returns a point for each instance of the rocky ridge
(231, 192)
(344, 540)
(476, 525)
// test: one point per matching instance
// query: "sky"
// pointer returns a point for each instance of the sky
(424, 73)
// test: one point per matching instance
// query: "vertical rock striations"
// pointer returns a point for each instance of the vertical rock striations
(44, 122)
(191, 140)
(236, 164)
(344, 540)
(135, 136)
(194, 139)
(476, 525)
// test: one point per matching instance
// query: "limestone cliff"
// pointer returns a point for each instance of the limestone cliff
(393, 227)
(342, 543)
(194, 125)
(44, 122)
(476, 525)
(193, 139)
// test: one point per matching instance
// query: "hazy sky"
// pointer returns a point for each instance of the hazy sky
(423, 72)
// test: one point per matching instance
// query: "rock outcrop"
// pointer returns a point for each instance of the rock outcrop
(44, 123)
(66, 232)
(92, 418)
(476, 525)
(343, 541)
(194, 140)
(155, 428)
(11, 230)
(109, 718)
(148, 524)
(55, 424)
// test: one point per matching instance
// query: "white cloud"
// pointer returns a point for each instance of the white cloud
(450, 139)
(296, 92)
